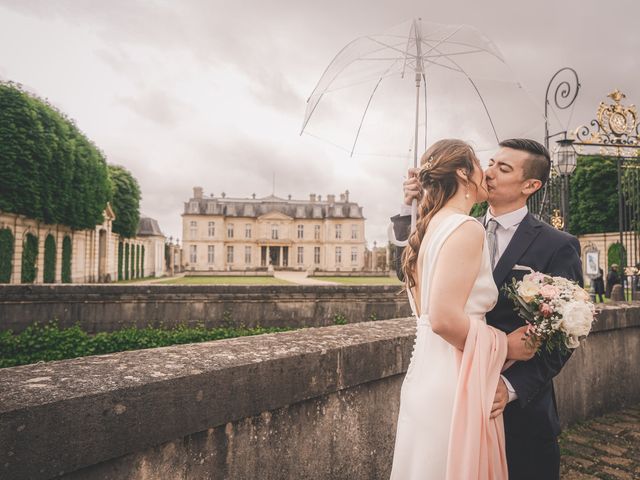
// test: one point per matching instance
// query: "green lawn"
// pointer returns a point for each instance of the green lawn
(227, 281)
(362, 280)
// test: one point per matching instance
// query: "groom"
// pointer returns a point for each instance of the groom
(525, 392)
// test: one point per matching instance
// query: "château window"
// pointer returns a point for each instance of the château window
(247, 255)
(300, 255)
(193, 229)
(300, 231)
(212, 229)
(354, 232)
(193, 254)
(354, 254)
(338, 232)
(230, 230)
(211, 254)
(316, 255)
(274, 232)
(247, 230)
(338, 255)
(230, 254)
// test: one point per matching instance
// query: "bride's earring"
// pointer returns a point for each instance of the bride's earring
(466, 190)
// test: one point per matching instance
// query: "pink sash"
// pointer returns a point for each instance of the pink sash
(476, 444)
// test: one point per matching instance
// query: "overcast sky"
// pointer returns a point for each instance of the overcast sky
(211, 93)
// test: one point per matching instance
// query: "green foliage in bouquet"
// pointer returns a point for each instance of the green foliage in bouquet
(527, 311)
(479, 209)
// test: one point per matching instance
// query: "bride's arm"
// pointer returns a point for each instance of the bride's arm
(455, 272)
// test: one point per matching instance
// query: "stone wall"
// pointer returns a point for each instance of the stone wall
(317, 403)
(104, 308)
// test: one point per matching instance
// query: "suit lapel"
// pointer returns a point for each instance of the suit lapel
(526, 232)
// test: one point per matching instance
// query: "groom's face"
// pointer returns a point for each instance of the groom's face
(505, 177)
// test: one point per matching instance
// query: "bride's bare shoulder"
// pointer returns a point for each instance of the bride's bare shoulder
(467, 236)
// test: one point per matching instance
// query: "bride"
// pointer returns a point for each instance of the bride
(444, 427)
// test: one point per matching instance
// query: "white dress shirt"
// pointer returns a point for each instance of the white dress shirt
(507, 226)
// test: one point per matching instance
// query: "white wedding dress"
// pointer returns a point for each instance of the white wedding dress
(428, 390)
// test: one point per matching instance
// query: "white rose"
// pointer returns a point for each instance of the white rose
(528, 290)
(577, 318)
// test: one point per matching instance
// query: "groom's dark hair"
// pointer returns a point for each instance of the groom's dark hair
(538, 164)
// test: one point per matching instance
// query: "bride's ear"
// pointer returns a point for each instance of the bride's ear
(462, 175)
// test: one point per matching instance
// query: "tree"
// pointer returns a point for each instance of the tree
(593, 202)
(125, 201)
(50, 170)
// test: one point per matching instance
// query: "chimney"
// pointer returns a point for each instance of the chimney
(197, 192)
(331, 198)
(253, 195)
(312, 197)
(319, 198)
(342, 198)
(224, 194)
(346, 196)
(289, 196)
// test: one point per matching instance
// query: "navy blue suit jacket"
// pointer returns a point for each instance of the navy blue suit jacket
(545, 249)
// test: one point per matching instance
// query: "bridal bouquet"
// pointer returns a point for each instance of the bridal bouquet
(557, 310)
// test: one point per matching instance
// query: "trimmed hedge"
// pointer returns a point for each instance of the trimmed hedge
(66, 259)
(120, 260)
(6, 255)
(29, 257)
(617, 254)
(125, 201)
(49, 259)
(49, 342)
(126, 261)
(50, 170)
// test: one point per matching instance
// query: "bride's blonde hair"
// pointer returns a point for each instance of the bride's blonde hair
(439, 181)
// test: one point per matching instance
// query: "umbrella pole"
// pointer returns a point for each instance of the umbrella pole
(414, 203)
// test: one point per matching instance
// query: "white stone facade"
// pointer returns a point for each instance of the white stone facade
(228, 234)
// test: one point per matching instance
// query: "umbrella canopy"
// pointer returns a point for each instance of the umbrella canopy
(397, 92)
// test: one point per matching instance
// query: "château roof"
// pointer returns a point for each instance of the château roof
(149, 226)
(314, 208)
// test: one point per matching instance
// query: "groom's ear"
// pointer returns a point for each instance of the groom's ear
(531, 186)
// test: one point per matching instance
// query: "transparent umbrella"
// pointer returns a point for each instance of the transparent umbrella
(393, 93)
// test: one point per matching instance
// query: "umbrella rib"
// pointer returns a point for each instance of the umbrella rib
(470, 45)
(364, 114)
(392, 47)
(479, 95)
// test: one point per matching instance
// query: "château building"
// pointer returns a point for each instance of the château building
(223, 233)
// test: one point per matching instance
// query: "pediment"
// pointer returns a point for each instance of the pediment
(274, 215)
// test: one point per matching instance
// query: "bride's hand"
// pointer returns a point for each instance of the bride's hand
(519, 348)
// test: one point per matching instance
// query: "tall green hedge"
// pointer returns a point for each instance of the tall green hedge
(66, 259)
(120, 259)
(125, 201)
(49, 259)
(6, 255)
(50, 170)
(593, 203)
(126, 261)
(29, 257)
(617, 254)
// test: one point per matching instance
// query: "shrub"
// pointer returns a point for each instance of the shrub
(49, 259)
(29, 257)
(6, 255)
(66, 259)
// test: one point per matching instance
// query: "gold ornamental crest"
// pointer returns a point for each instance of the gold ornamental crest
(616, 119)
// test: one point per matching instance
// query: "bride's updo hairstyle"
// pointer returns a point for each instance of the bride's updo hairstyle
(439, 180)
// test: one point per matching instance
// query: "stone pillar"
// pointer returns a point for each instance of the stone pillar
(40, 258)
(59, 238)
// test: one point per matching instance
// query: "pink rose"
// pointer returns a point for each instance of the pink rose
(549, 291)
(546, 310)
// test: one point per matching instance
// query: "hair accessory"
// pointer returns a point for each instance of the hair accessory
(429, 162)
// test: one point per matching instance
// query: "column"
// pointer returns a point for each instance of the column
(18, 239)
(40, 257)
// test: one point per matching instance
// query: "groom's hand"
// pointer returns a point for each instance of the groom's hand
(411, 186)
(500, 400)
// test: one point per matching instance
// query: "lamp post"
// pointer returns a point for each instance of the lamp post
(564, 156)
